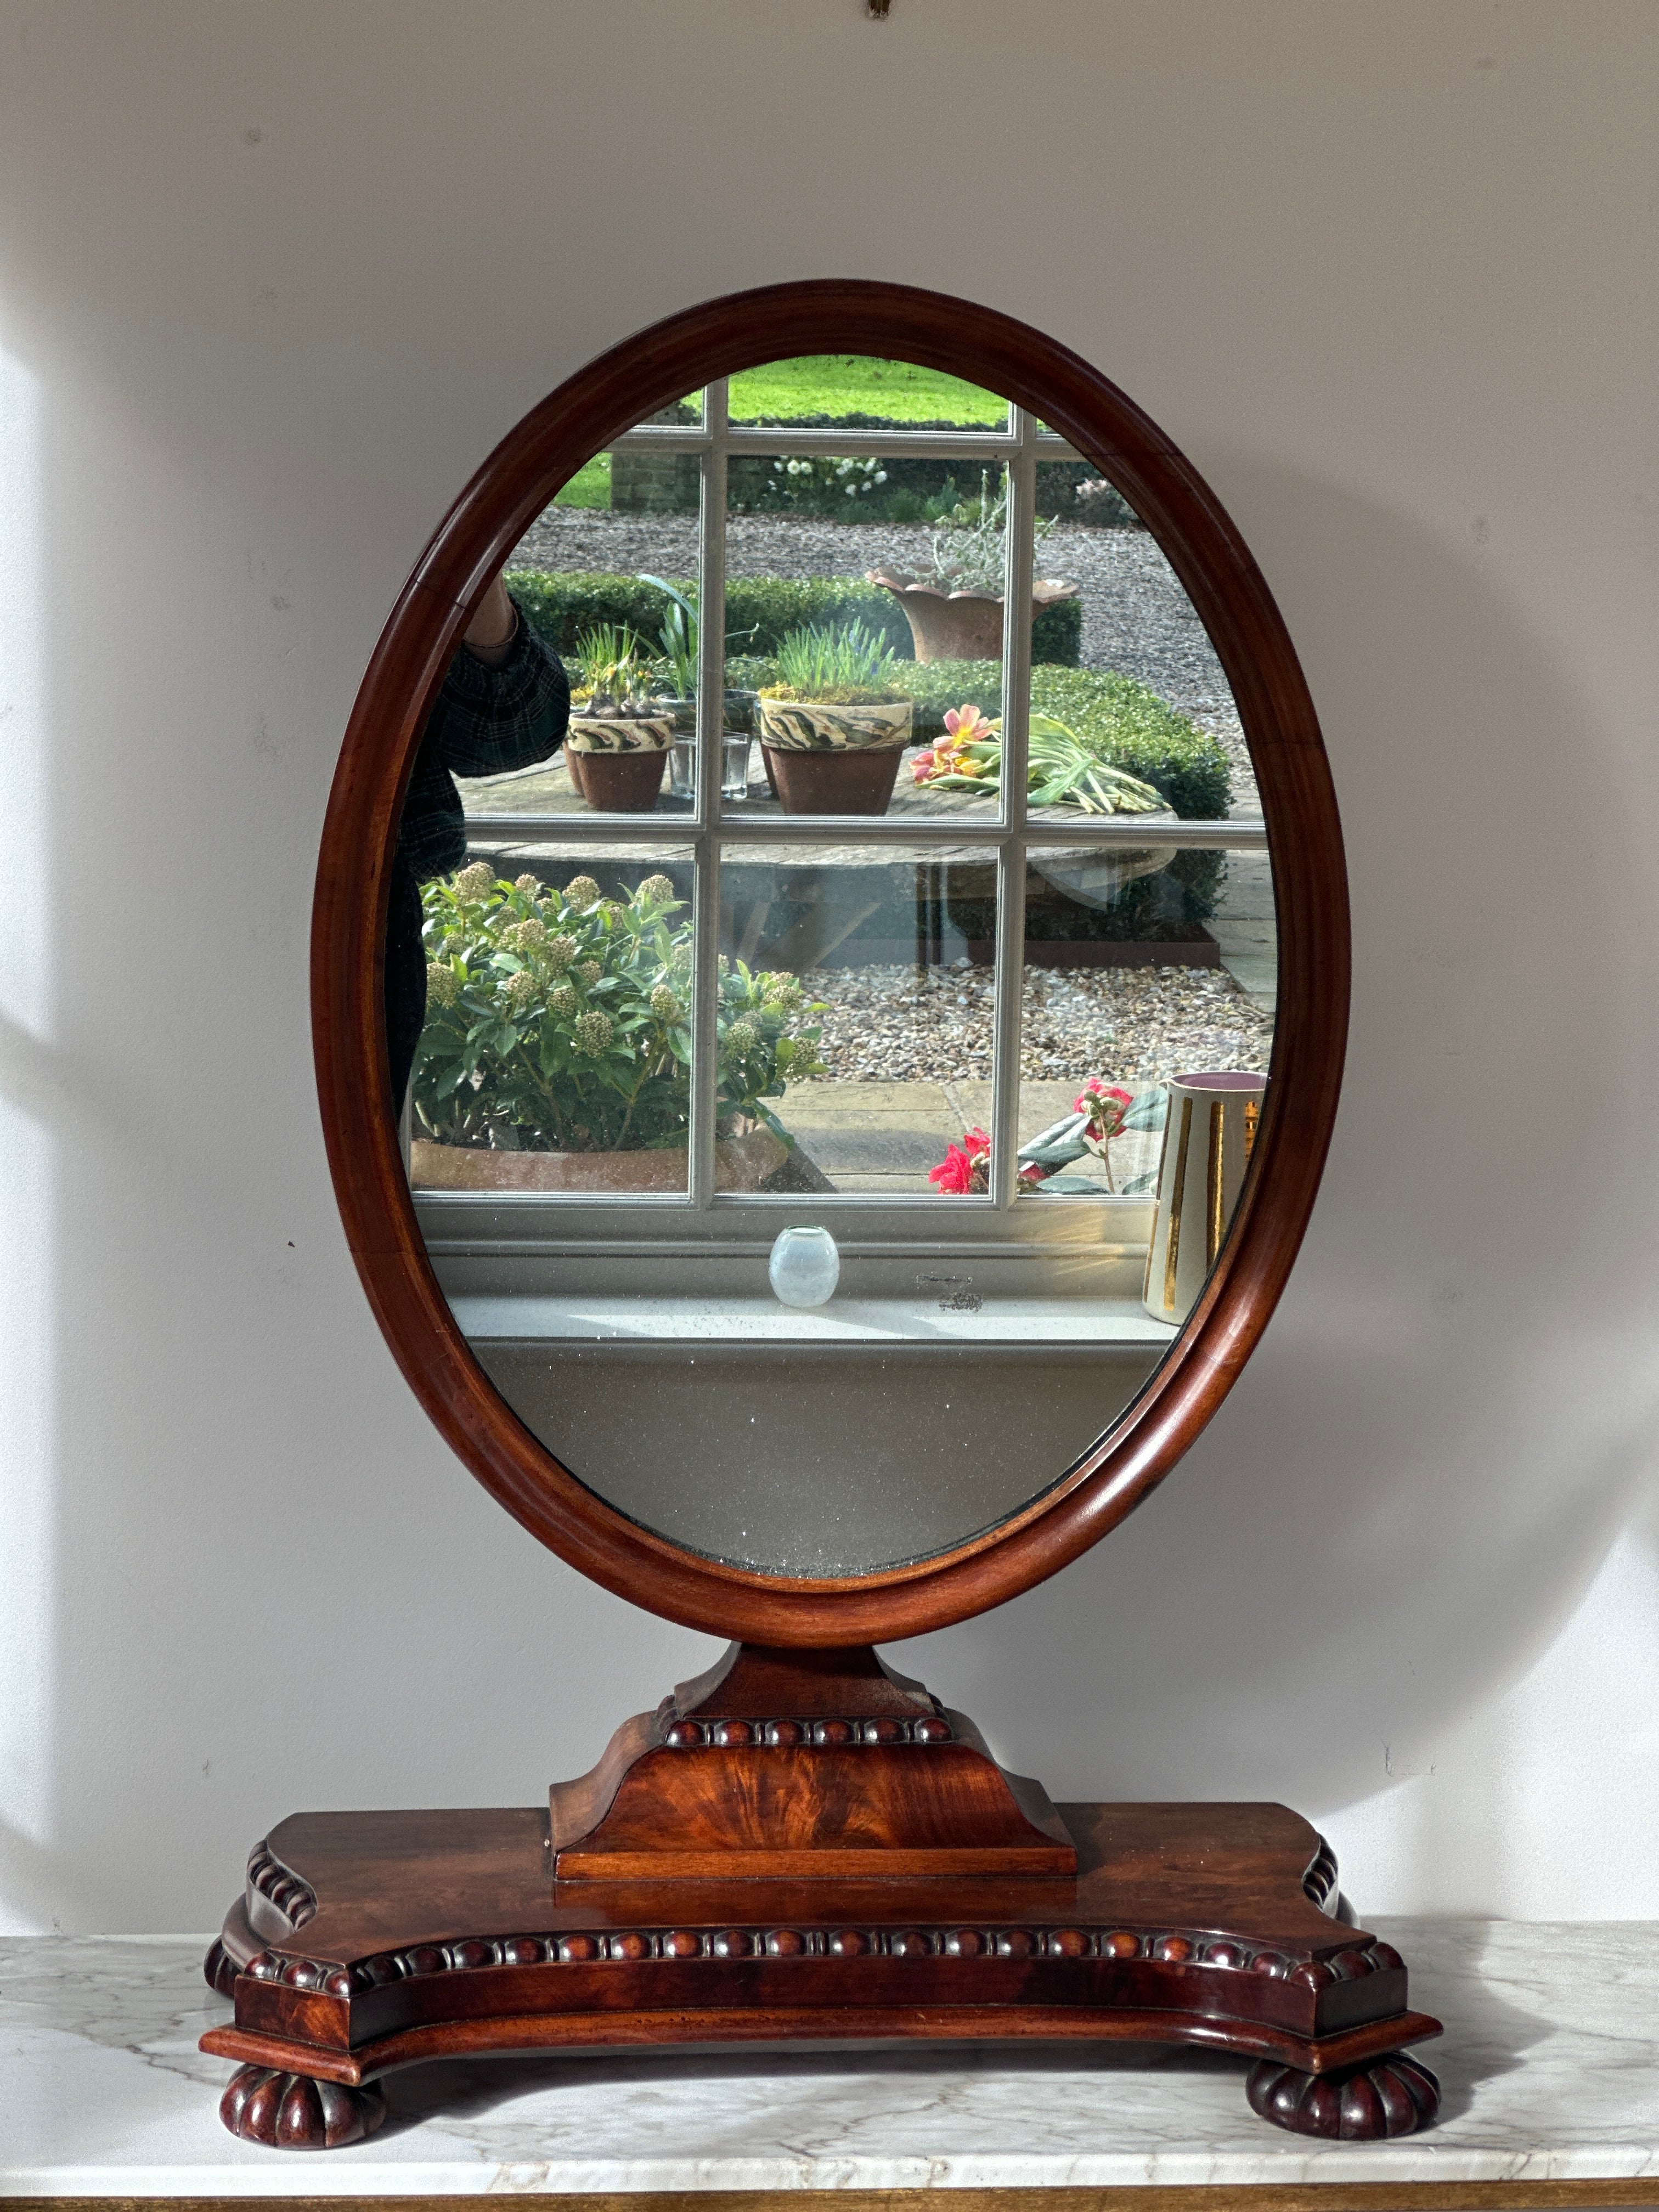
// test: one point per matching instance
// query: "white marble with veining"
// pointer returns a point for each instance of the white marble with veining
(1548, 2068)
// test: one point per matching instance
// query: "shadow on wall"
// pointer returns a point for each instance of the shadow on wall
(238, 1572)
(1454, 1409)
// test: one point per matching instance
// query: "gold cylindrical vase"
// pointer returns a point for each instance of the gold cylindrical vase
(1207, 1140)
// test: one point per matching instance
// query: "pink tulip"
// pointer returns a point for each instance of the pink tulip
(967, 725)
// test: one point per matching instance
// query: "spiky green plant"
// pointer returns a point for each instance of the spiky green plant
(832, 660)
(607, 661)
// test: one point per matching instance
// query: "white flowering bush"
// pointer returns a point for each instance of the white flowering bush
(560, 1021)
(820, 486)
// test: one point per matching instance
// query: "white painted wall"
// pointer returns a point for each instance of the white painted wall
(272, 278)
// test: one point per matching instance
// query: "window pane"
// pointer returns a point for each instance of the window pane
(1144, 985)
(872, 649)
(556, 1048)
(607, 575)
(856, 1016)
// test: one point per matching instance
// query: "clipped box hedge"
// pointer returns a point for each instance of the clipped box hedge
(759, 610)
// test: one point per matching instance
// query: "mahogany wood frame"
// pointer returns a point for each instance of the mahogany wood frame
(631, 381)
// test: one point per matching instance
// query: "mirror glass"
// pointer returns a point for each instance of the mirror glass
(837, 988)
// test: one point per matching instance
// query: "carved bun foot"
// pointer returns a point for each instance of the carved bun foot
(1391, 2096)
(291, 2112)
(219, 1969)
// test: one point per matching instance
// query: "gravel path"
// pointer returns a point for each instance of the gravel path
(1136, 618)
(1126, 1025)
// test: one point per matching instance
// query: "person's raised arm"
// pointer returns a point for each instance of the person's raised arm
(492, 629)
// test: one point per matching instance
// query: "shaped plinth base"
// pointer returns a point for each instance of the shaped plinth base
(799, 1846)
(294, 2111)
(1391, 2096)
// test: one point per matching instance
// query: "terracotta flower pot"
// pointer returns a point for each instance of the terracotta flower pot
(623, 783)
(833, 782)
(745, 1162)
(822, 758)
(618, 765)
(959, 625)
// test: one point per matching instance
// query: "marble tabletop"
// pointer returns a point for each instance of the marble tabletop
(1547, 2066)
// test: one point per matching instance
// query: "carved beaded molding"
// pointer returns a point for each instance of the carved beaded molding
(280, 1886)
(632, 1946)
(786, 1734)
(1319, 1883)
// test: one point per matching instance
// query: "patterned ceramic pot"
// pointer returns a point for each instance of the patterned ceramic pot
(823, 759)
(644, 734)
(618, 766)
(802, 726)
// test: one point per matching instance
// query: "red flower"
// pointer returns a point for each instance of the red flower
(954, 1173)
(1107, 1106)
(965, 1167)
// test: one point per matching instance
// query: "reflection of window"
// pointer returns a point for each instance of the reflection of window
(981, 959)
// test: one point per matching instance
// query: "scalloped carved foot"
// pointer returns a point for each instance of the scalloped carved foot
(219, 1969)
(1391, 2096)
(291, 2111)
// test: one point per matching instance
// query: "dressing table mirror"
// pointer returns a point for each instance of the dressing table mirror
(874, 1077)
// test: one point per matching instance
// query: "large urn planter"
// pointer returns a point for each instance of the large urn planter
(617, 765)
(960, 625)
(744, 1163)
(826, 759)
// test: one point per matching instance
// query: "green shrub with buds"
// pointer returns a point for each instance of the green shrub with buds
(559, 1021)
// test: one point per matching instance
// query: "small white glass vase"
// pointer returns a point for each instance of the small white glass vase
(805, 1268)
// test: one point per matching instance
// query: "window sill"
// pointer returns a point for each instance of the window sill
(1021, 1324)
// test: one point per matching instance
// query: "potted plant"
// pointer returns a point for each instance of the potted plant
(557, 1047)
(832, 727)
(954, 606)
(618, 740)
(677, 663)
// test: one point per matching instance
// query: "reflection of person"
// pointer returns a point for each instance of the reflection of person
(504, 704)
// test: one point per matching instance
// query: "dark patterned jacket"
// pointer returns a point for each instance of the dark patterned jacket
(487, 721)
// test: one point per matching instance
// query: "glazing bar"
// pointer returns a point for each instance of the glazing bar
(895, 445)
(711, 718)
(1017, 537)
(939, 837)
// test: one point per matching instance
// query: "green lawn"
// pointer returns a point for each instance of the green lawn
(590, 486)
(855, 384)
(826, 384)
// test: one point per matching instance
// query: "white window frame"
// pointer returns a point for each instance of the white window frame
(463, 1227)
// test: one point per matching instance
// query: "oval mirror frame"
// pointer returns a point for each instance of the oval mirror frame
(645, 373)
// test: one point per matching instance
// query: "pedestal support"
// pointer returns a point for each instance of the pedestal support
(629, 1912)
